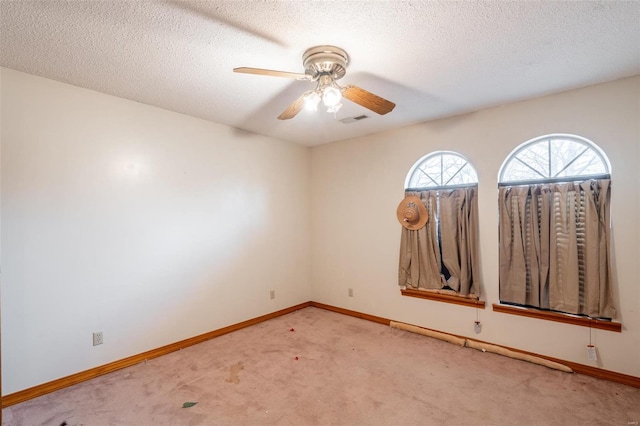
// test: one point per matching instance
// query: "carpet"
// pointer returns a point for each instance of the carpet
(316, 367)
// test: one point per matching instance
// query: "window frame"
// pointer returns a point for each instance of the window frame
(541, 313)
(442, 295)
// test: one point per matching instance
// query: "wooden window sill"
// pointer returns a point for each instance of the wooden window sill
(558, 317)
(447, 298)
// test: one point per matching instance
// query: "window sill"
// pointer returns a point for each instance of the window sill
(447, 298)
(558, 317)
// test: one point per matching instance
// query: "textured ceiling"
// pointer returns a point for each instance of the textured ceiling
(432, 58)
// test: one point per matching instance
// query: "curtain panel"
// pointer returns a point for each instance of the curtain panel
(450, 238)
(554, 247)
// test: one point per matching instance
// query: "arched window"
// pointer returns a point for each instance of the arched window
(441, 169)
(554, 158)
(554, 194)
(442, 255)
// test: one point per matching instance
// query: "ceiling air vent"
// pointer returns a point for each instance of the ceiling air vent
(354, 119)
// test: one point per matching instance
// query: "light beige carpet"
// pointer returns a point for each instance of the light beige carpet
(333, 370)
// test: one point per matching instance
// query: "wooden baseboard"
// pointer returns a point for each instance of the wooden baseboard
(587, 370)
(54, 385)
(351, 313)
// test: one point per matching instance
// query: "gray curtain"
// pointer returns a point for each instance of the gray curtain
(422, 253)
(554, 247)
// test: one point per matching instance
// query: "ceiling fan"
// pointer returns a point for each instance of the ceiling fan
(325, 65)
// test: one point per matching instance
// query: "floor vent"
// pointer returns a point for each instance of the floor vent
(354, 119)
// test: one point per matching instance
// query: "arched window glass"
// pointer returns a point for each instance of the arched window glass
(554, 158)
(441, 169)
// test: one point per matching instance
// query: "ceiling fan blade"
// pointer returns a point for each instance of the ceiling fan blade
(293, 109)
(272, 73)
(368, 100)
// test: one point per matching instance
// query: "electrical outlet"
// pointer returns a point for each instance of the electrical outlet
(272, 294)
(97, 338)
(350, 292)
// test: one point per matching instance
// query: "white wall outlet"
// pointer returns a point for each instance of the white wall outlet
(97, 338)
(350, 292)
(272, 294)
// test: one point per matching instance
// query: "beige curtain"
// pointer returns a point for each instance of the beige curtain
(422, 253)
(554, 247)
(524, 260)
(459, 238)
(419, 250)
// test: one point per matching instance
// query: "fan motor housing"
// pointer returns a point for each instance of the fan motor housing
(325, 60)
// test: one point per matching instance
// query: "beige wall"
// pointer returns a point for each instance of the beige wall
(148, 225)
(154, 226)
(357, 185)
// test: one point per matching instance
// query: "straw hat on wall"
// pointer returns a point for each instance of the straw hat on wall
(412, 214)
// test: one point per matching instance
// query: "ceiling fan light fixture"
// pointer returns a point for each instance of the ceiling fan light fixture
(331, 96)
(311, 101)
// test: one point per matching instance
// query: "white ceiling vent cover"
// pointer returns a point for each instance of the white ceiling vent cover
(354, 119)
